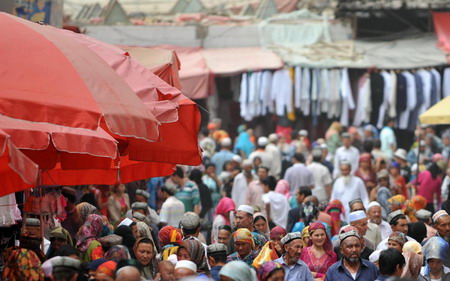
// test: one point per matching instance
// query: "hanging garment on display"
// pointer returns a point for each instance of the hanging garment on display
(297, 87)
(265, 94)
(347, 97)
(9, 212)
(243, 99)
(414, 116)
(438, 83)
(282, 91)
(324, 102)
(315, 95)
(386, 92)
(335, 97)
(410, 100)
(363, 102)
(426, 80)
(393, 95)
(446, 83)
(306, 91)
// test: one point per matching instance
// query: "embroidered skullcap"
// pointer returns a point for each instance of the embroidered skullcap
(216, 248)
(291, 236)
(139, 206)
(439, 214)
(32, 222)
(143, 193)
(394, 215)
(348, 234)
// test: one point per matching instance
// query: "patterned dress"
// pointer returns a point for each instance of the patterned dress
(321, 265)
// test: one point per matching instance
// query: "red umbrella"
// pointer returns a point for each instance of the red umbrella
(49, 77)
(16, 170)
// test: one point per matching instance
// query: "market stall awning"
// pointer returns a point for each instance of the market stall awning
(229, 61)
(438, 114)
(441, 22)
(164, 63)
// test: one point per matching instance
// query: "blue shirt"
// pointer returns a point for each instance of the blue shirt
(220, 158)
(296, 272)
(215, 273)
(367, 272)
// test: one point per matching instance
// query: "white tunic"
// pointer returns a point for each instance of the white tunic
(348, 192)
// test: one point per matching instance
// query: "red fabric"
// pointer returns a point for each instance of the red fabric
(225, 205)
(442, 27)
(170, 235)
(277, 231)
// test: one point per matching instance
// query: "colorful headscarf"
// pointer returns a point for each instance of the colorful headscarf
(328, 247)
(144, 230)
(398, 237)
(259, 239)
(108, 268)
(60, 232)
(397, 202)
(225, 205)
(419, 202)
(366, 157)
(85, 209)
(305, 233)
(117, 253)
(22, 265)
(169, 235)
(412, 246)
(267, 268)
(308, 213)
(277, 231)
(284, 188)
(196, 253)
(335, 209)
(89, 231)
(409, 210)
(244, 235)
(238, 271)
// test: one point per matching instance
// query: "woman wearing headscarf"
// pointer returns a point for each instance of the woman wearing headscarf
(396, 240)
(319, 254)
(276, 234)
(259, 240)
(366, 171)
(435, 251)
(412, 246)
(222, 216)
(21, 265)
(398, 180)
(243, 145)
(87, 236)
(127, 237)
(335, 209)
(244, 245)
(170, 239)
(411, 270)
(332, 136)
(85, 209)
(284, 188)
(397, 202)
(143, 230)
(238, 271)
(117, 253)
(194, 251)
(270, 271)
(145, 252)
(261, 224)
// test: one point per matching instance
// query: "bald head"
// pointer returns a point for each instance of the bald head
(128, 273)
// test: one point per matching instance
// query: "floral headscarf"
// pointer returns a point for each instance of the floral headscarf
(169, 235)
(267, 268)
(108, 268)
(277, 231)
(335, 209)
(397, 202)
(409, 210)
(225, 205)
(117, 253)
(85, 209)
(328, 247)
(89, 231)
(196, 253)
(244, 235)
(284, 188)
(398, 237)
(22, 265)
(419, 202)
(259, 239)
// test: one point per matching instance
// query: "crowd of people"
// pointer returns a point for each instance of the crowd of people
(349, 206)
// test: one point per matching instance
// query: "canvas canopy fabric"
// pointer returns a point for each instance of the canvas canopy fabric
(437, 114)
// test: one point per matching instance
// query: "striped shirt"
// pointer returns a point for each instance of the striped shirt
(189, 195)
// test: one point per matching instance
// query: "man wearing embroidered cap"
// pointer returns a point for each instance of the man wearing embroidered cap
(65, 268)
(351, 266)
(374, 213)
(441, 221)
(398, 222)
(142, 198)
(295, 269)
(217, 257)
(424, 216)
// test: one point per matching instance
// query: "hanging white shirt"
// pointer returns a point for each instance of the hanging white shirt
(244, 97)
(437, 77)
(345, 193)
(297, 86)
(426, 81)
(446, 83)
(279, 207)
(324, 96)
(282, 91)
(265, 94)
(305, 95)
(386, 92)
(393, 95)
(363, 92)
(347, 97)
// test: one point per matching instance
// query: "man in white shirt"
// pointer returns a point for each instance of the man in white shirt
(298, 175)
(241, 182)
(272, 148)
(322, 176)
(374, 213)
(398, 222)
(172, 209)
(277, 206)
(348, 187)
(387, 138)
(261, 152)
(347, 153)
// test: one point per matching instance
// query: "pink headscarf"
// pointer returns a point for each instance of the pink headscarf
(225, 205)
(284, 188)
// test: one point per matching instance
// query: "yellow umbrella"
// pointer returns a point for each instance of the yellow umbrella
(437, 114)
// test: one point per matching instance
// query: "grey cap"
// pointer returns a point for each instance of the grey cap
(32, 222)
(139, 206)
(423, 214)
(345, 135)
(393, 215)
(190, 221)
(216, 248)
(357, 200)
(171, 187)
(291, 236)
(110, 240)
(317, 152)
(348, 234)
(382, 174)
(143, 193)
(66, 262)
